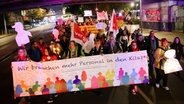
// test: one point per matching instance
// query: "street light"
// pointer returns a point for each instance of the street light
(132, 4)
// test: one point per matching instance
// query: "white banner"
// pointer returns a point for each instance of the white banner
(39, 78)
(87, 13)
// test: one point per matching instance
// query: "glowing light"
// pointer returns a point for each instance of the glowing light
(132, 4)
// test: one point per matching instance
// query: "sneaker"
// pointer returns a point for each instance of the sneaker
(166, 88)
(157, 85)
(134, 92)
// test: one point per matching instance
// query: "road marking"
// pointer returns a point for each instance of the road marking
(144, 96)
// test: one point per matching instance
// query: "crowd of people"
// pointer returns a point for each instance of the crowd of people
(63, 48)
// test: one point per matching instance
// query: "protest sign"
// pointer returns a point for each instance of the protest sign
(76, 74)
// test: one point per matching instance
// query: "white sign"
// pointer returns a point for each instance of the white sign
(101, 25)
(171, 65)
(87, 13)
(80, 19)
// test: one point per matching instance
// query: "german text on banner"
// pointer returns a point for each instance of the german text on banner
(84, 73)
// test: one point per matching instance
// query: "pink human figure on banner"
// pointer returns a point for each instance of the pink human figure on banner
(22, 37)
(121, 73)
(142, 73)
(94, 82)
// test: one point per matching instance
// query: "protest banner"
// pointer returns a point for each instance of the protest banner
(78, 35)
(90, 28)
(76, 74)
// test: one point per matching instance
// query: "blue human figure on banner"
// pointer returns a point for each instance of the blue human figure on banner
(18, 90)
(125, 79)
(45, 90)
(35, 86)
(133, 76)
(121, 73)
(52, 89)
(146, 80)
(69, 85)
(77, 80)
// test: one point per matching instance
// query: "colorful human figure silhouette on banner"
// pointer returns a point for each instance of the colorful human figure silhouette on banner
(142, 73)
(110, 77)
(94, 82)
(146, 80)
(35, 86)
(31, 92)
(100, 79)
(49, 82)
(22, 37)
(58, 85)
(70, 85)
(45, 90)
(77, 80)
(133, 76)
(52, 89)
(18, 90)
(125, 79)
(84, 76)
(24, 86)
(63, 85)
(121, 73)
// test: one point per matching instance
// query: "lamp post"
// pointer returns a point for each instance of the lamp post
(140, 5)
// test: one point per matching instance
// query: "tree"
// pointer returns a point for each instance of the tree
(36, 14)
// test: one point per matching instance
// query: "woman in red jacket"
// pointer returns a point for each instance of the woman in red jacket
(133, 48)
(22, 54)
(47, 56)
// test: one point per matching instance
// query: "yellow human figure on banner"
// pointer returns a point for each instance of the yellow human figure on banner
(110, 76)
(171, 64)
(22, 37)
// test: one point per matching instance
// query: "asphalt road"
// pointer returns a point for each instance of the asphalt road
(115, 95)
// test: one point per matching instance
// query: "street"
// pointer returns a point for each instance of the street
(147, 94)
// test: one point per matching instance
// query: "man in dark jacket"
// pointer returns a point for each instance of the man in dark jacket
(152, 44)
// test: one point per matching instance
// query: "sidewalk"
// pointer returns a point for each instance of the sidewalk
(162, 34)
(4, 35)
